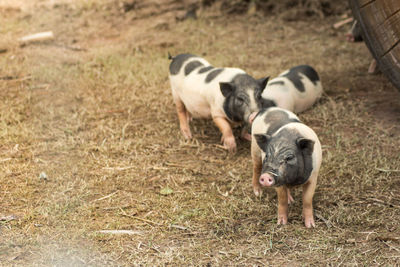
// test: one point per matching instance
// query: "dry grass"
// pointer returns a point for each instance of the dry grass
(101, 124)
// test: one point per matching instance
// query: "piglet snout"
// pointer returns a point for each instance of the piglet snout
(267, 180)
(252, 117)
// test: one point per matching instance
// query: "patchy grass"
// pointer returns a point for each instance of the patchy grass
(100, 122)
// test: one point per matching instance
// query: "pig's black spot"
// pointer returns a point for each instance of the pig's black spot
(277, 119)
(295, 78)
(211, 76)
(308, 167)
(205, 69)
(177, 63)
(191, 66)
(245, 81)
(277, 83)
(230, 111)
(309, 72)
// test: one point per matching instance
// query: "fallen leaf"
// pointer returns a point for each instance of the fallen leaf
(166, 191)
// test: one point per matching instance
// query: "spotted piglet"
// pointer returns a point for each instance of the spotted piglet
(296, 89)
(285, 153)
(227, 95)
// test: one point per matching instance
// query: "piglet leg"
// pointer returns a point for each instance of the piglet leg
(282, 204)
(308, 194)
(184, 117)
(373, 67)
(245, 134)
(257, 166)
(289, 196)
(227, 136)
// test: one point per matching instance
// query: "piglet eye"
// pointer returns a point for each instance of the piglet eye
(289, 157)
(239, 100)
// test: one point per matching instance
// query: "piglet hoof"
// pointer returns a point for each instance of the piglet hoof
(308, 218)
(257, 190)
(229, 143)
(349, 37)
(282, 219)
(246, 136)
(186, 133)
(309, 222)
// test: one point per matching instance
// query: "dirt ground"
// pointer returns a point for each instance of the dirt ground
(89, 141)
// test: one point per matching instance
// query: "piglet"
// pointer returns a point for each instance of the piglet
(285, 153)
(295, 89)
(227, 95)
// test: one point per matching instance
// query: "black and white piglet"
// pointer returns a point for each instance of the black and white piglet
(227, 95)
(285, 153)
(295, 89)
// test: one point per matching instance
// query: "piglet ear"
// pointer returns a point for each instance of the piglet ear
(305, 144)
(263, 82)
(226, 88)
(262, 141)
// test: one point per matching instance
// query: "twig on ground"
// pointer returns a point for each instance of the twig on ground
(8, 218)
(341, 23)
(388, 238)
(8, 77)
(327, 222)
(73, 48)
(139, 219)
(171, 164)
(390, 246)
(115, 111)
(179, 227)
(155, 249)
(383, 202)
(15, 78)
(369, 233)
(118, 168)
(120, 232)
(115, 208)
(223, 194)
(220, 147)
(386, 170)
(37, 37)
(105, 197)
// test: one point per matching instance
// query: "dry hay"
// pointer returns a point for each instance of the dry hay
(286, 9)
(100, 123)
